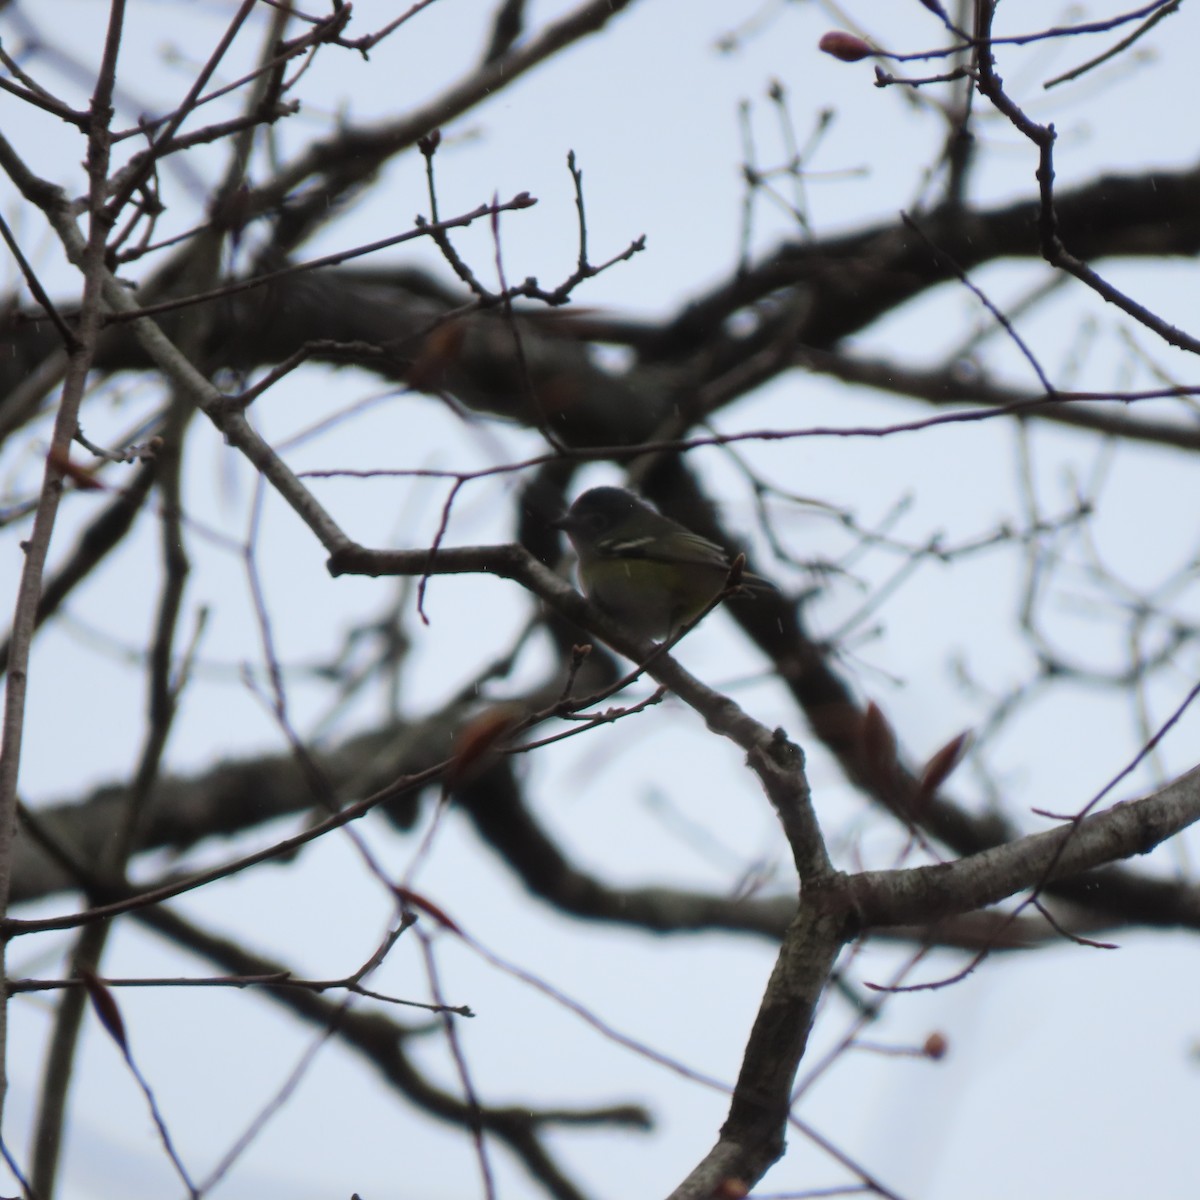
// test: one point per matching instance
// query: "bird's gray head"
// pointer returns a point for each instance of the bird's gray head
(600, 510)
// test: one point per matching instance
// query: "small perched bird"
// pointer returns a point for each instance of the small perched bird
(645, 570)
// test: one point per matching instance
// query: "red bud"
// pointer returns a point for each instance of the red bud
(419, 902)
(879, 746)
(939, 767)
(848, 47)
(477, 743)
(106, 1008)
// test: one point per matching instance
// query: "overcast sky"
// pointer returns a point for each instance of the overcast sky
(1070, 1072)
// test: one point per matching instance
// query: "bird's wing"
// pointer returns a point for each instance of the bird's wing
(687, 548)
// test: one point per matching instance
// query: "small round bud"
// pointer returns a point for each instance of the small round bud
(936, 1046)
(848, 47)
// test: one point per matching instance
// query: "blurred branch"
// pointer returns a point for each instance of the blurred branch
(846, 282)
(101, 537)
(80, 351)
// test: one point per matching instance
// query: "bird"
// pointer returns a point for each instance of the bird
(646, 571)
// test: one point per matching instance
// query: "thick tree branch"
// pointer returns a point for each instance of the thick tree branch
(1127, 829)
(751, 1139)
